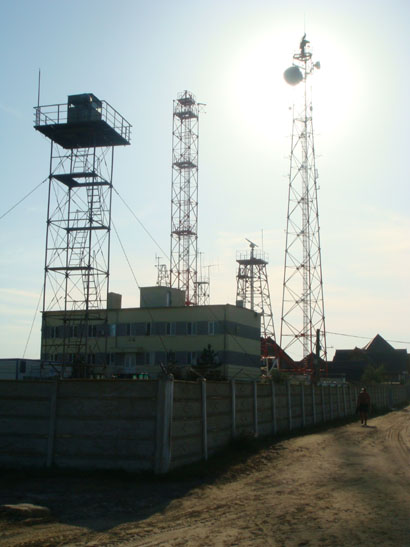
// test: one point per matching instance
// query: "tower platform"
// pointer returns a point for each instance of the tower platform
(83, 122)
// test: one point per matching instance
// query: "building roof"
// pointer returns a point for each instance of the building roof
(378, 344)
(377, 352)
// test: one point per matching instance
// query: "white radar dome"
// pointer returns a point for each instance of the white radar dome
(293, 75)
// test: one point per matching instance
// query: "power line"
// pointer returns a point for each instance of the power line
(365, 337)
(22, 199)
(31, 191)
(125, 254)
(32, 323)
(141, 224)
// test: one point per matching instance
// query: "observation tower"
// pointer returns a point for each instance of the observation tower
(83, 133)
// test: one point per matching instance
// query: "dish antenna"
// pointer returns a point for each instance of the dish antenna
(252, 245)
(296, 74)
(293, 75)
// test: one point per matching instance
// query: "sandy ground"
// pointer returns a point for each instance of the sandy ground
(346, 486)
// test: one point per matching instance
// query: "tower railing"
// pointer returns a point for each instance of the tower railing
(257, 255)
(56, 114)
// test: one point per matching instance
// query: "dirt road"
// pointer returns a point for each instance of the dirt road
(347, 486)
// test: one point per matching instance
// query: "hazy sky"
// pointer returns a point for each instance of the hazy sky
(137, 55)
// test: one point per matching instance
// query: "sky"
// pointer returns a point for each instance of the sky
(138, 55)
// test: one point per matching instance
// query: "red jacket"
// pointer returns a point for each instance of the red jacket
(364, 398)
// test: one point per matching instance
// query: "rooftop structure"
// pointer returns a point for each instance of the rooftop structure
(82, 122)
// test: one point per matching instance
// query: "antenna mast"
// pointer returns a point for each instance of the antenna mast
(253, 289)
(302, 300)
(162, 273)
(184, 197)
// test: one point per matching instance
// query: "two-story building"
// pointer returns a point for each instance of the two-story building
(132, 341)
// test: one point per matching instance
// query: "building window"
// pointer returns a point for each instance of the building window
(171, 329)
(127, 329)
(23, 367)
(190, 328)
(113, 330)
(192, 358)
(171, 357)
(211, 327)
(92, 331)
(73, 331)
(150, 358)
(148, 329)
(130, 361)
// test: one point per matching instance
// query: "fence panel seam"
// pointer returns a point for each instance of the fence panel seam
(274, 419)
(52, 424)
(204, 421)
(233, 407)
(255, 408)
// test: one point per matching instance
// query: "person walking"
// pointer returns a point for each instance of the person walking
(363, 405)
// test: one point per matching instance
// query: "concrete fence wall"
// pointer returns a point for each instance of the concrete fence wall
(158, 425)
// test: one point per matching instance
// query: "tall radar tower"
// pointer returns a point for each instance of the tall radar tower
(252, 289)
(303, 316)
(184, 197)
(83, 134)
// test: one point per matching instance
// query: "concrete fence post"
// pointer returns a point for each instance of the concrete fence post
(331, 401)
(233, 407)
(322, 397)
(338, 401)
(52, 424)
(288, 386)
(344, 401)
(302, 402)
(314, 404)
(255, 409)
(204, 420)
(163, 445)
(274, 419)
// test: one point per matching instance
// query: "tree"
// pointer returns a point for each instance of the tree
(373, 375)
(208, 356)
(209, 366)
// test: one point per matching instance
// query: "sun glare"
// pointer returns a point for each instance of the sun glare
(263, 98)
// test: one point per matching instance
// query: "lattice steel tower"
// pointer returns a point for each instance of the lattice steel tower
(83, 134)
(252, 289)
(162, 273)
(184, 197)
(302, 301)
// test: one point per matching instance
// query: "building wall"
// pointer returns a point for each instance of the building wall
(18, 369)
(139, 339)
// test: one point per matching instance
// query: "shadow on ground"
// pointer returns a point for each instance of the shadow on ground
(100, 501)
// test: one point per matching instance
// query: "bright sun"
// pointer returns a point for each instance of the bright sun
(263, 98)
